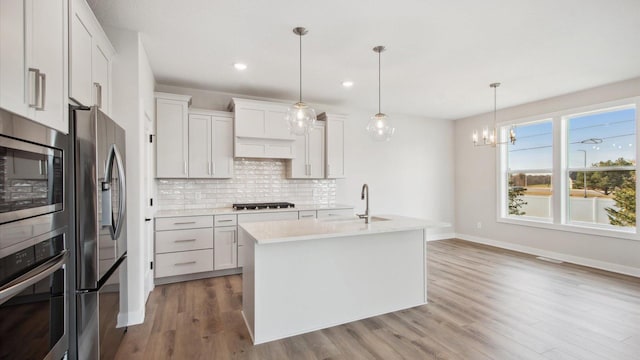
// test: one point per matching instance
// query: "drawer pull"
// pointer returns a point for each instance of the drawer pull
(184, 223)
(331, 214)
(185, 240)
(306, 215)
(185, 263)
(225, 220)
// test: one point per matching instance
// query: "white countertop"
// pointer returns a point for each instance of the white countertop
(230, 210)
(271, 232)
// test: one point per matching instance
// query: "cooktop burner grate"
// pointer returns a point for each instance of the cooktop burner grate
(256, 206)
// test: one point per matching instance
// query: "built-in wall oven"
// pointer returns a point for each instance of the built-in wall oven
(34, 236)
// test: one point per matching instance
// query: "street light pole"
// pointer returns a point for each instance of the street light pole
(584, 174)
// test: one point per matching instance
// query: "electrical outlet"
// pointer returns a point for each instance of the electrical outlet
(479, 225)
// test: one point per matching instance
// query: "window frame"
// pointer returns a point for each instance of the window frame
(560, 173)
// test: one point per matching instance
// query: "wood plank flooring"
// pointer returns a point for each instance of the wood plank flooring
(484, 303)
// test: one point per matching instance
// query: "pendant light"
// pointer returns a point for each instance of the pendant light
(300, 116)
(490, 136)
(379, 127)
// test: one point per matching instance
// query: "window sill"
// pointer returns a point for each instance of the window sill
(574, 228)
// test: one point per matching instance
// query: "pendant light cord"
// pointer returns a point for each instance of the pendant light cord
(379, 84)
(495, 105)
(300, 36)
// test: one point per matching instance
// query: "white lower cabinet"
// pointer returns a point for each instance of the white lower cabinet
(184, 245)
(334, 212)
(225, 248)
(184, 262)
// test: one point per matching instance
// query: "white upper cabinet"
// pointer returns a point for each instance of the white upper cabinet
(172, 135)
(261, 130)
(33, 59)
(90, 60)
(309, 152)
(210, 144)
(335, 149)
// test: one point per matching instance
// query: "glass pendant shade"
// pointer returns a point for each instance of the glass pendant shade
(380, 127)
(300, 118)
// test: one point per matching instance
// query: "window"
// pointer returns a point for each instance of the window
(601, 152)
(529, 171)
(574, 170)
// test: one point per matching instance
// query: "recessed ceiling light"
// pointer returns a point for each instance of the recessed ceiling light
(347, 83)
(240, 66)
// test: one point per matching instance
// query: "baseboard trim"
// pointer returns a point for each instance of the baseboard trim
(597, 264)
(437, 237)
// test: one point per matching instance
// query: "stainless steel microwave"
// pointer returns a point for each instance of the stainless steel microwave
(31, 177)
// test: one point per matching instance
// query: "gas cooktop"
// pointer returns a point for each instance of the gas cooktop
(255, 206)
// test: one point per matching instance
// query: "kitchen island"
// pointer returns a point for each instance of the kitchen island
(307, 275)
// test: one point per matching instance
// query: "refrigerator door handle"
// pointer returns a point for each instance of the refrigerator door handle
(107, 208)
(104, 278)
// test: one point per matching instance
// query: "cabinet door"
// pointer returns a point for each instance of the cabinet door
(13, 71)
(172, 133)
(299, 166)
(315, 151)
(80, 55)
(200, 146)
(225, 248)
(48, 49)
(335, 147)
(222, 147)
(100, 71)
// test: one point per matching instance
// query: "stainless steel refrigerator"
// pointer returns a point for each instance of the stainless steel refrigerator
(100, 251)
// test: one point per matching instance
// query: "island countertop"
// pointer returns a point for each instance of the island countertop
(272, 232)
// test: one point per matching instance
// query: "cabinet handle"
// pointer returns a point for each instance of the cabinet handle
(328, 169)
(42, 77)
(36, 87)
(98, 94)
(213, 165)
(185, 263)
(229, 220)
(184, 223)
(185, 240)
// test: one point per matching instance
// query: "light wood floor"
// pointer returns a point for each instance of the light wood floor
(484, 303)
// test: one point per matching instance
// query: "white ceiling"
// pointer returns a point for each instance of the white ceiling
(441, 55)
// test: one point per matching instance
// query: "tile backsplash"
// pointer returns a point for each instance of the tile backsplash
(254, 180)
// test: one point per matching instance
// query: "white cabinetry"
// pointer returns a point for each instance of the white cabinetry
(225, 248)
(33, 60)
(210, 144)
(172, 134)
(184, 245)
(261, 130)
(309, 154)
(90, 59)
(335, 150)
(334, 212)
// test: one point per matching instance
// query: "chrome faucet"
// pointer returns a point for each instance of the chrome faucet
(365, 192)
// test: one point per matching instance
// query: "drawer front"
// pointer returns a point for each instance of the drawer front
(225, 220)
(335, 212)
(184, 222)
(185, 262)
(184, 240)
(307, 214)
(270, 216)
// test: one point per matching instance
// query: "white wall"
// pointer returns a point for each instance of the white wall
(133, 85)
(475, 188)
(411, 175)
